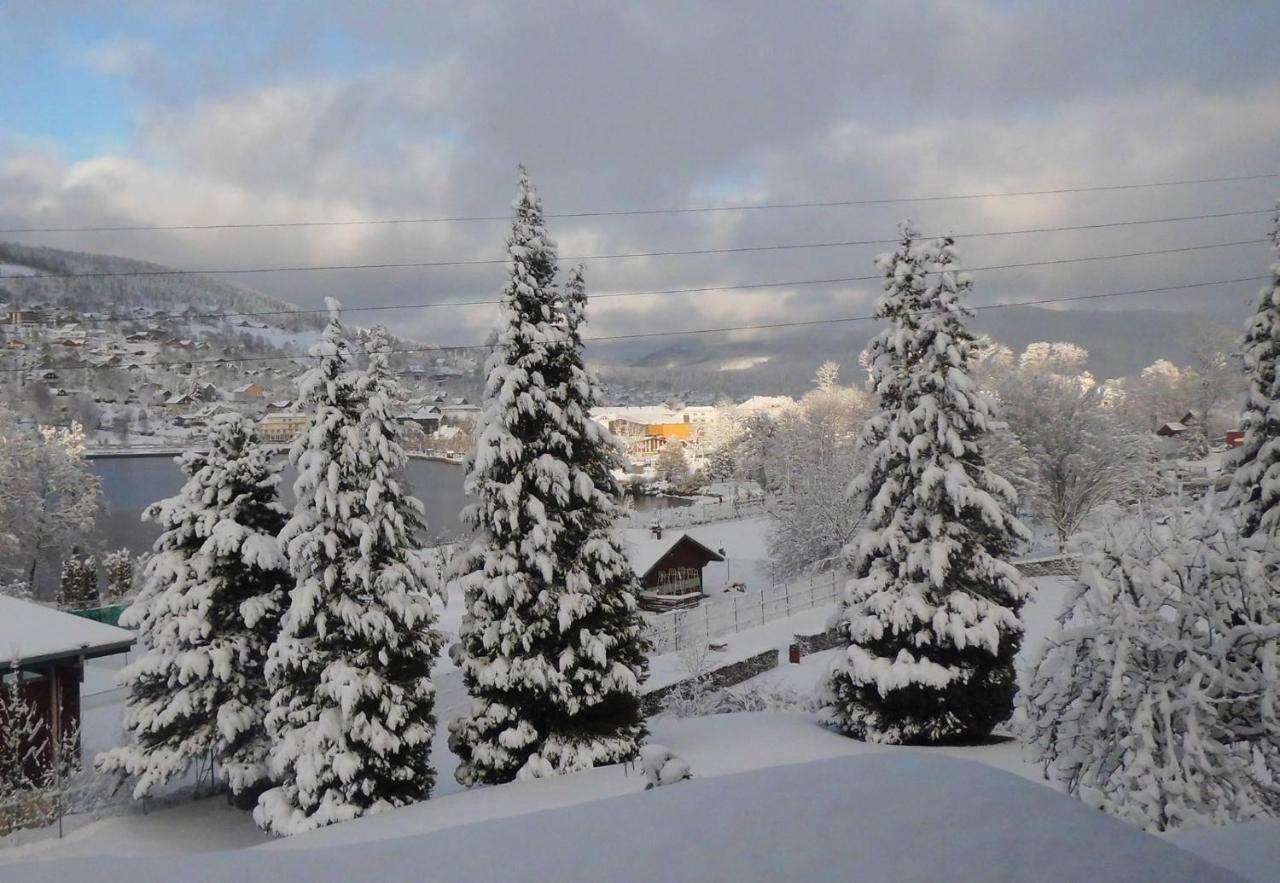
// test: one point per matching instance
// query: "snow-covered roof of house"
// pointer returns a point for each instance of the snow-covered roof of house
(31, 633)
(767, 403)
(645, 550)
(646, 414)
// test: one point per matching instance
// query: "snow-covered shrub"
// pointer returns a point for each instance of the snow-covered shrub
(662, 766)
(20, 589)
(763, 697)
(1157, 698)
(209, 608)
(552, 646)
(34, 771)
(694, 695)
(930, 620)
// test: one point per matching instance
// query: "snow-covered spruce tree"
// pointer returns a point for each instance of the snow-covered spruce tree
(1157, 698)
(1256, 484)
(208, 612)
(78, 583)
(931, 615)
(118, 569)
(552, 651)
(351, 714)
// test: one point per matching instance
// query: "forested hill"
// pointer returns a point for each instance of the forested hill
(121, 294)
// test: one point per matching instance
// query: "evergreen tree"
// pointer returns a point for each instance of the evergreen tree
(1256, 484)
(351, 716)
(208, 610)
(78, 585)
(118, 566)
(551, 646)
(931, 616)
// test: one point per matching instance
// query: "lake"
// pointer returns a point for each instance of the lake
(131, 483)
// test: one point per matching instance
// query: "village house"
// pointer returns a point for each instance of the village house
(249, 392)
(281, 427)
(669, 569)
(46, 649)
(428, 418)
(645, 431)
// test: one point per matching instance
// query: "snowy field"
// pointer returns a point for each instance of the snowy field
(775, 795)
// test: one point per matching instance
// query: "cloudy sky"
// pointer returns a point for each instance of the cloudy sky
(191, 112)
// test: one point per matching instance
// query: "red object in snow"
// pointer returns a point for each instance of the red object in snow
(793, 653)
(1234, 438)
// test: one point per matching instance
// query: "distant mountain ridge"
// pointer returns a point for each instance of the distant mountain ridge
(1120, 343)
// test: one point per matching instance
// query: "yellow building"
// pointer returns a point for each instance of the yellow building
(685, 432)
(281, 428)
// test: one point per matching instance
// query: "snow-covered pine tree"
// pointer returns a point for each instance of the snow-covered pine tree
(551, 645)
(931, 616)
(118, 569)
(1157, 698)
(1256, 483)
(602, 646)
(208, 611)
(351, 717)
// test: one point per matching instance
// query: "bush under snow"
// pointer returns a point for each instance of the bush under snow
(1157, 698)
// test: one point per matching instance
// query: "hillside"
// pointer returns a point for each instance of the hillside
(123, 295)
(147, 359)
(1120, 343)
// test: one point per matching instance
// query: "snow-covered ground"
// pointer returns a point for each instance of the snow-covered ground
(776, 795)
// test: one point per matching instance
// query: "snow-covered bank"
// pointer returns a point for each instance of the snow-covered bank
(893, 816)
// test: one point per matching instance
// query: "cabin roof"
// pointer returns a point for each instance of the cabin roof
(31, 633)
(646, 551)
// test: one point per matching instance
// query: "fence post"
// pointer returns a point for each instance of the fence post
(735, 614)
(762, 606)
(706, 620)
(786, 588)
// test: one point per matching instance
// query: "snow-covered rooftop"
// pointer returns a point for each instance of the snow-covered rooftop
(644, 549)
(31, 633)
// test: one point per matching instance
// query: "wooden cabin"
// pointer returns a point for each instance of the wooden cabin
(46, 650)
(670, 570)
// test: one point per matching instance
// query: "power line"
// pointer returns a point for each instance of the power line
(706, 209)
(786, 283)
(401, 265)
(678, 333)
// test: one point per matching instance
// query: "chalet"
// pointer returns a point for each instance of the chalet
(1174, 429)
(249, 392)
(47, 649)
(670, 569)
